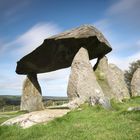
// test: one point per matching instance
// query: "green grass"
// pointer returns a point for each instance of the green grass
(90, 123)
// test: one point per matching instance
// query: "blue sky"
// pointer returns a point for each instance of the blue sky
(24, 24)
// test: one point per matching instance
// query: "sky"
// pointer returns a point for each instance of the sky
(24, 24)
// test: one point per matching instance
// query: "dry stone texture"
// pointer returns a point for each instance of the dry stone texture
(32, 118)
(58, 51)
(82, 81)
(135, 83)
(31, 99)
(111, 79)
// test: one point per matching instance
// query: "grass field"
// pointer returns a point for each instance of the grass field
(90, 123)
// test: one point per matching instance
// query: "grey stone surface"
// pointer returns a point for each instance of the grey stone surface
(82, 81)
(57, 52)
(31, 99)
(37, 117)
(117, 82)
(75, 103)
(136, 108)
(101, 72)
(111, 79)
(135, 83)
(105, 102)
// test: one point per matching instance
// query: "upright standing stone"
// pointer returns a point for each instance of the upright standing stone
(82, 81)
(135, 83)
(31, 99)
(101, 73)
(117, 82)
(111, 79)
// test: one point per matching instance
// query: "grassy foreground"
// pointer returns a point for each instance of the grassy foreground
(90, 123)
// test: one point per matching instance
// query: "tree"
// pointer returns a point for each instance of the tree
(129, 73)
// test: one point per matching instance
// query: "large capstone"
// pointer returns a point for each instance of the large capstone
(82, 81)
(135, 83)
(111, 79)
(58, 51)
(31, 99)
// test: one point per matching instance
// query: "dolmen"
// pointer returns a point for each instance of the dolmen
(73, 48)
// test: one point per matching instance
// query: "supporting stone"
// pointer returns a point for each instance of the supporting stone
(135, 83)
(97, 63)
(111, 80)
(82, 81)
(117, 82)
(31, 99)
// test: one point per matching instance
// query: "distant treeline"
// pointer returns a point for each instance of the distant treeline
(15, 100)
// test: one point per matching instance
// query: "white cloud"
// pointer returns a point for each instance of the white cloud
(26, 43)
(104, 26)
(119, 48)
(14, 8)
(138, 43)
(124, 6)
(54, 83)
(54, 88)
(125, 13)
(2, 45)
(134, 57)
(119, 15)
(31, 39)
(11, 82)
(35, 37)
(123, 62)
(59, 74)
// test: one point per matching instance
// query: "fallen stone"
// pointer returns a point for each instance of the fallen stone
(75, 103)
(135, 83)
(105, 102)
(37, 117)
(137, 108)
